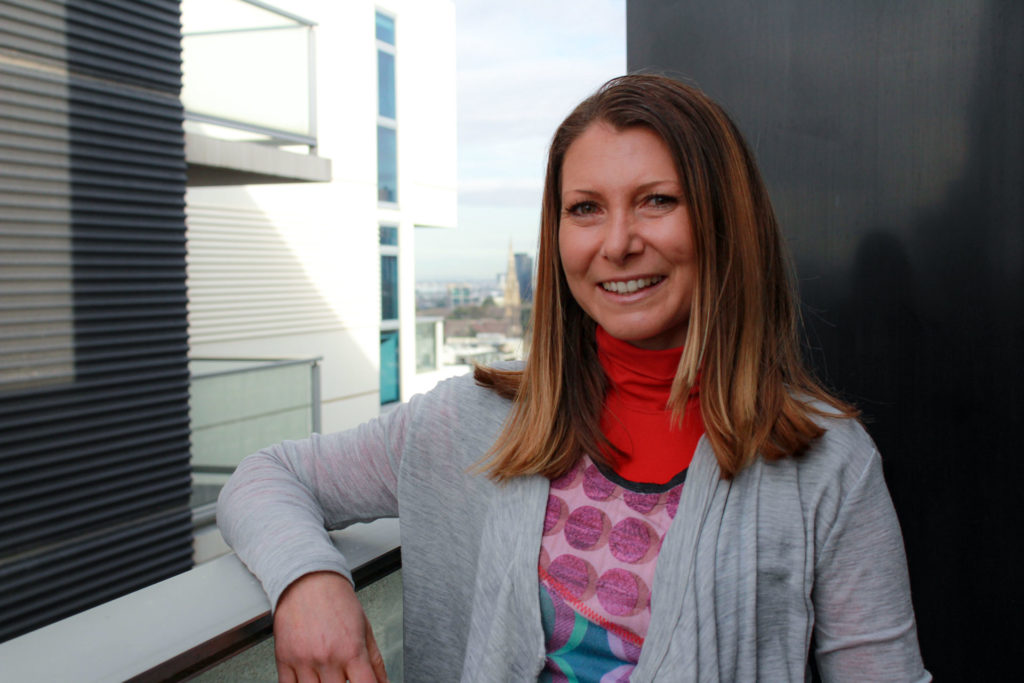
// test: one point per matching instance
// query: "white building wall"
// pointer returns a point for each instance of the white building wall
(293, 270)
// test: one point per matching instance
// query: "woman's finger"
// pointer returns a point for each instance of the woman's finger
(286, 674)
(300, 674)
(333, 674)
(360, 671)
(376, 658)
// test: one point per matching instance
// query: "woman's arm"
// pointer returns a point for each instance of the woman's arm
(275, 512)
(276, 508)
(864, 624)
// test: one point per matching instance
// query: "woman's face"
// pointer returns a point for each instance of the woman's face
(625, 237)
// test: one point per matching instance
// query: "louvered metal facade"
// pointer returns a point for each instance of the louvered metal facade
(94, 433)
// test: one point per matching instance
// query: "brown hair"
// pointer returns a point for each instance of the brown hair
(756, 395)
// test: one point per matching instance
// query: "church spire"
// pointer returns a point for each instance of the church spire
(513, 304)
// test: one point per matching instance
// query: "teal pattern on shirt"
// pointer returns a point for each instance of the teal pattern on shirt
(579, 650)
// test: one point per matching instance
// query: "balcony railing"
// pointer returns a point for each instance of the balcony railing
(202, 623)
(429, 340)
(238, 406)
(249, 72)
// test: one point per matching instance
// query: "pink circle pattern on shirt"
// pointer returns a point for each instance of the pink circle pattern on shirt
(600, 547)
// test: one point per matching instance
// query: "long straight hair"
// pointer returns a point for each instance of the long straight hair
(756, 394)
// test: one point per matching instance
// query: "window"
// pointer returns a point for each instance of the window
(387, 112)
(389, 388)
(389, 235)
(388, 287)
(385, 29)
(387, 165)
(385, 84)
(389, 346)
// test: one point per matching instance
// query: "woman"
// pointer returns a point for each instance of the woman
(663, 419)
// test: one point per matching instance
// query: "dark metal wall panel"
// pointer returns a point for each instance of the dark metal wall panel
(34, 29)
(94, 454)
(126, 41)
(890, 136)
(91, 569)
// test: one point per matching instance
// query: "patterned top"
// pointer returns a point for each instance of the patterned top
(597, 561)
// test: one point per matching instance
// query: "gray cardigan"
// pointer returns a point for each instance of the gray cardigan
(748, 571)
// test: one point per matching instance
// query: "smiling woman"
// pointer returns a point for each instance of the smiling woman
(663, 419)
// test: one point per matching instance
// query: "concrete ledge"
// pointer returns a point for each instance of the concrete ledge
(164, 630)
(213, 161)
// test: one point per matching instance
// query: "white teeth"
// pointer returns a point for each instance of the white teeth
(630, 286)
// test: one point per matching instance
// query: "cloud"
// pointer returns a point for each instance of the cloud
(501, 197)
(521, 68)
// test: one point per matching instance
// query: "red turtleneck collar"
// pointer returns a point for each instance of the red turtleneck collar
(635, 416)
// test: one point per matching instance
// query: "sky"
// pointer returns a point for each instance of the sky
(521, 68)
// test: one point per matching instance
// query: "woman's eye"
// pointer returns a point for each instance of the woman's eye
(662, 200)
(583, 209)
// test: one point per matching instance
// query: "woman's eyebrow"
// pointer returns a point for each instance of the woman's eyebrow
(655, 183)
(639, 188)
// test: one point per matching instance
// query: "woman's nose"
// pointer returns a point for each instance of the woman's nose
(621, 239)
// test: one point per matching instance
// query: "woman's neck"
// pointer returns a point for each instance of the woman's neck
(636, 418)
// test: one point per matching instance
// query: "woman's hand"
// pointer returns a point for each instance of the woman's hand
(321, 633)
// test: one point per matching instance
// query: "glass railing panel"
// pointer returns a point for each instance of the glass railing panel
(249, 67)
(428, 331)
(239, 406)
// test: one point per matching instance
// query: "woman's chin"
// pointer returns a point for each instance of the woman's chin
(652, 339)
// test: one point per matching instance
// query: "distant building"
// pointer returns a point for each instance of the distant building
(524, 274)
(512, 288)
(513, 304)
(460, 295)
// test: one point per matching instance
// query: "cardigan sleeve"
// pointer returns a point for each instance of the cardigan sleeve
(276, 508)
(864, 625)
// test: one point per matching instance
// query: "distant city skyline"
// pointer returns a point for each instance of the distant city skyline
(521, 67)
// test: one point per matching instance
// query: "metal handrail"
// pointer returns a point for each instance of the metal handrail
(269, 363)
(275, 135)
(277, 10)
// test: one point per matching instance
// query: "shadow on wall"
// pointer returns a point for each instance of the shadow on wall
(890, 137)
(283, 283)
(925, 336)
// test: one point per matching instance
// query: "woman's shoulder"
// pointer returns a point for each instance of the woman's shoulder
(463, 386)
(449, 429)
(460, 402)
(844, 438)
(833, 462)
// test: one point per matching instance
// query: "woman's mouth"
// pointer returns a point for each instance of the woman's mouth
(630, 286)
